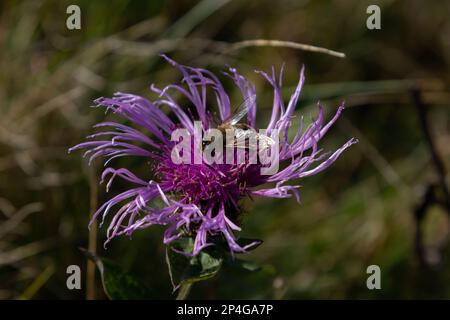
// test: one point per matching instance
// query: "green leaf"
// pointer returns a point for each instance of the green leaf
(246, 241)
(222, 245)
(184, 269)
(246, 265)
(118, 284)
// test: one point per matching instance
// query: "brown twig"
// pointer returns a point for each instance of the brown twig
(420, 211)
(436, 193)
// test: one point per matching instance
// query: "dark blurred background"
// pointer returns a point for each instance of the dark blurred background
(359, 212)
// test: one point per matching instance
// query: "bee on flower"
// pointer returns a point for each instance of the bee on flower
(202, 200)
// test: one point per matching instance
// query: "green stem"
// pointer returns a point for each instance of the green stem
(184, 291)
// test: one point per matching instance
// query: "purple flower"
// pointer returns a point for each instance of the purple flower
(199, 200)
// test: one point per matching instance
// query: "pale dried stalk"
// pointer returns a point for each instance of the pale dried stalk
(286, 44)
(92, 246)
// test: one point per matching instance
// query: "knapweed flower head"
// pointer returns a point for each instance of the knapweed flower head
(201, 200)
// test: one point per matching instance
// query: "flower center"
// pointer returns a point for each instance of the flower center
(202, 182)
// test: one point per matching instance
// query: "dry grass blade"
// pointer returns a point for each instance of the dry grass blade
(18, 217)
(55, 103)
(286, 44)
(193, 17)
(23, 252)
(371, 152)
(6, 207)
(38, 283)
(92, 244)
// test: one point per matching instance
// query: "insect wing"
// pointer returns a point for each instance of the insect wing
(242, 110)
(265, 142)
(244, 139)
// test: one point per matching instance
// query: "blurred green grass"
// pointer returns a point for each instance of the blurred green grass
(356, 214)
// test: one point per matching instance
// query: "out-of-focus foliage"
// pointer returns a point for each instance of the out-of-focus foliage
(356, 214)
